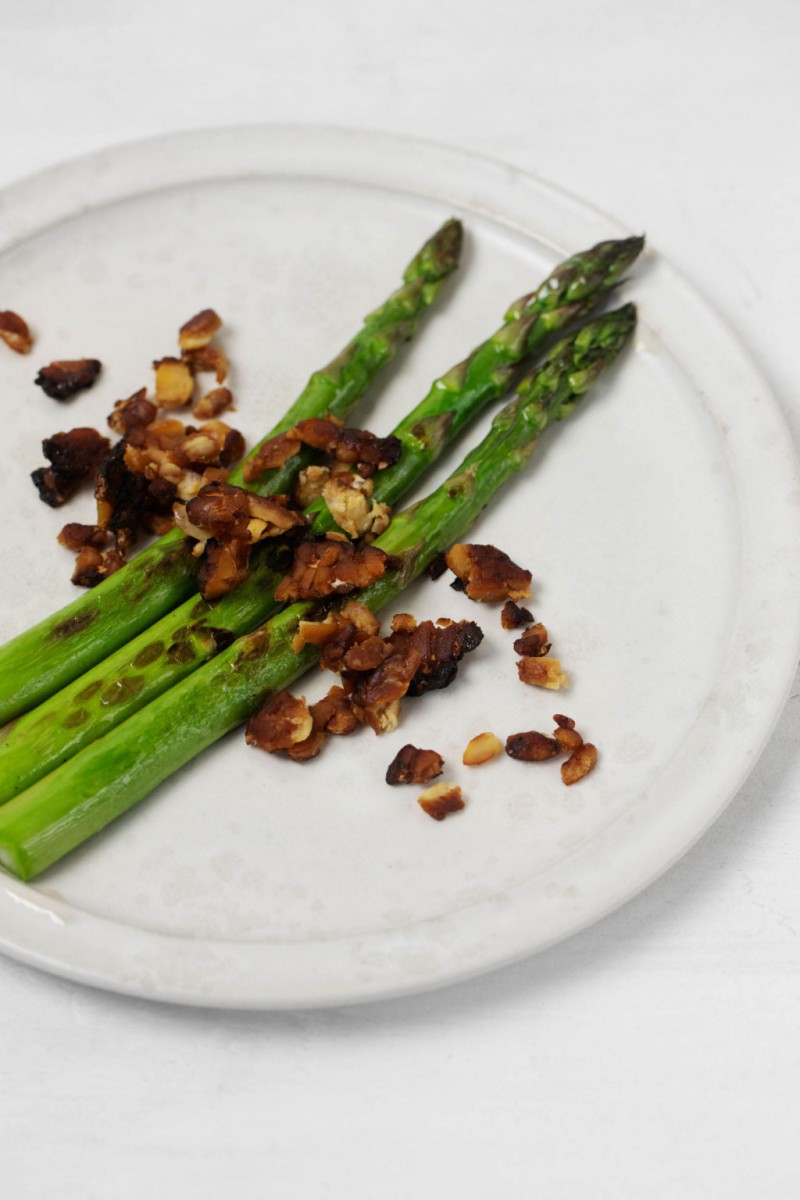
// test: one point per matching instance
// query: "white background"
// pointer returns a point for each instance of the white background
(655, 1055)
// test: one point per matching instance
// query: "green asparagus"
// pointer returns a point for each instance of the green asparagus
(194, 632)
(43, 659)
(64, 809)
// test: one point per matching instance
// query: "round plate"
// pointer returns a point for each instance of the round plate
(660, 523)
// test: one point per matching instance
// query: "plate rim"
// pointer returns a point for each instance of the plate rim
(72, 944)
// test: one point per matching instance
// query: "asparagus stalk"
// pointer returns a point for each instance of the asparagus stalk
(43, 659)
(61, 811)
(194, 632)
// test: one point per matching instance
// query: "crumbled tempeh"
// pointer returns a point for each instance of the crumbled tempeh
(310, 483)
(334, 713)
(347, 498)
(376, 695)
(441, 800)
(174, 382)
(198, 331)
(533, 643)
(328, 568)
(74, 457)
(440, 649)
(64, 378)
(223, 568)
(481, 748)
(135, 412)
(514, 617)
(283, 721)
(565, 733)
(487, 573)
(356, 447)
(269, 455)
(75, 536)
(582, 760)
(532, 746)
(213, 403)
(224, 512)
(207, 358)
(411, 765)
(92, 566)
(542, 672)
(14, 332)
(366, 655)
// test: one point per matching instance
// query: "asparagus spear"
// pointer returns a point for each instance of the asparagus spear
(108, 777)
(195, 631)
(43, 659)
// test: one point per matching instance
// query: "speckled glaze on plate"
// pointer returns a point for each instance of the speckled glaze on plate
(661, 525)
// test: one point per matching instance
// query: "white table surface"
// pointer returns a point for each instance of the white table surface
(655, 1055)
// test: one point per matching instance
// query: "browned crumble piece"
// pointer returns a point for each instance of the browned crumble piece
(75, 536)
(74, 457)
(135, 412)
(437, 567)
(329, 568)
(92, 566)
(280, 724)
(224, 567)
(269, 455)
(310, 483)
(411, 765)
(403, 623)
(198, 331)
(213, 403)
(347, 498)
(309, 748)
(532, 746)
(533, 643)
(480, 749)
(224, 511)
(366, 655)
(64, 378)
(542, 672)
(355, 447)
(582, 760)
(174, 382)
(207, 358)
(15, 332)
(514, 617)
(334, 713)
(440, 649)
(377, 694)
(488, 573)
(441, 800)
(566, 734)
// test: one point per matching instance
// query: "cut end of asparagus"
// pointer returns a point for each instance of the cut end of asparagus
(440, 255)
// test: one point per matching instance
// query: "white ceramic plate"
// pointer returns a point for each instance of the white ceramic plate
(660, 524)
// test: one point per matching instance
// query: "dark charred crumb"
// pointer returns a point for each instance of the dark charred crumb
(533, 643)
(440, 647)
(121, 497)
(488, 573)
(437, 566)
(65, 378)
(441, 800)
(92, 566)
(532, 746)
(75, 536)
(53, 489)
(411, 765)
(14, 332)
(74, 457)
(458, 585)
(514, 617)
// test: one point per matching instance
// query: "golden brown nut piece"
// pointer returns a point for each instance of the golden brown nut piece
(14, 332)
(92, 566)
(533, 643)
(334, 713)
(582, 760)
(487, 573)
(174, 382)
(542, 672)
(347, 498)
(271, 454)
(356, 447)
(75, 536)
(441, 800)
(134, 413)
(213, 403)
(411, 765)
(329, 568)
(283, 721)
(532, 746)
(74, 457)
(207, 358)
(198, 331)
(565, 733)
(224, 567)
(223, 511)
(480, 749)
(377, 694)
(64, 378)
(514, 617)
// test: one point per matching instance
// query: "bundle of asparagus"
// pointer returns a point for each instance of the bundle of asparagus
(110, 775)
(190, 635)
